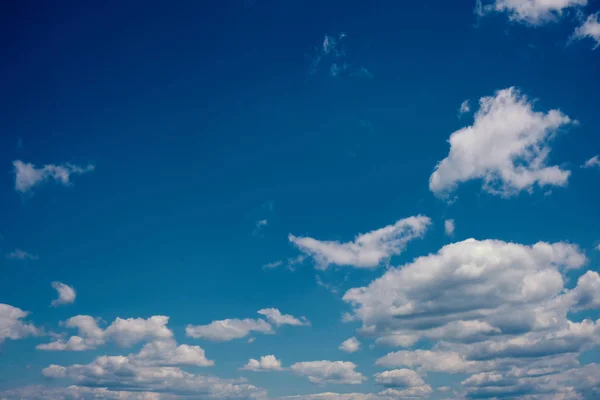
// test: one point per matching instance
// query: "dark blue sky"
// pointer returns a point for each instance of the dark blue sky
(202, 118)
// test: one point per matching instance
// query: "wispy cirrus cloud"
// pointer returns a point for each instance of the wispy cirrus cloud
(18, 254)
(331, 55)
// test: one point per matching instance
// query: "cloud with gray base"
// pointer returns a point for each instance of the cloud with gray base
(13, 325)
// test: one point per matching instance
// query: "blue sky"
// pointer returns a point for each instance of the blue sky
(191, 187)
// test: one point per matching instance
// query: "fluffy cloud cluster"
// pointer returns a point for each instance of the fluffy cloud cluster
(27, 176)
(77, 393)
(322, 372)
(487, 306)
(12, 325)
(266, 363)
(532, 12)
(66, 294)
(590, 29)
(123, 332)
(367, 250)
(230, 329)
(133, 373)
(507, 147)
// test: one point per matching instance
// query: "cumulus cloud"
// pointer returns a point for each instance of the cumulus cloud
(350, 345)
(123, 332)
(12, 324)
(275, 317)
(367, 250)
(66, 294)
(531, 12)
(449, 227)
(228, 329)
(507, 147)
(134, 373)
(592, 162)
(322, 372)
(266, 363)
(486, 307)
(399, 378)
(18, 254)
(27, 176)
(38, 392)
(590, 29)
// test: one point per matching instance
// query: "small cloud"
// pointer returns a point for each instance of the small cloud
(465, 107)
(66, 294)
(273, 264)
(251, 340)
(590, 29)
(331, 55)
(592, 162)
(449, 227)
(597, 247)
(18, 254)
(19, 143)
(260, 225)
(275, 317)
(266, 363)
(27, 176)
(350, 346)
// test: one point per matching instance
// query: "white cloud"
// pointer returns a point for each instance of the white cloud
(507, 147)
(399, 378)
(592, 162)
(531, 12)
(465, 107)
(367, 250)
(121, 373)
(12, 325)
(350, 345)
(487, 308)
(123, 332)
(76, 393)
(266, 363)
(590, 29)
(322, 372)
(275, 317)
(449, 227)
(228, 329)
(18, 254)
(167, 353)
(66, 294)
(273, 264)
(27, 176)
